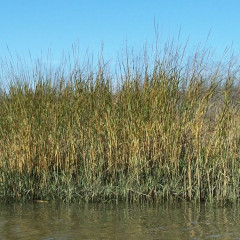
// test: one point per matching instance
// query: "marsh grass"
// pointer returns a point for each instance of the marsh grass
(161, 131)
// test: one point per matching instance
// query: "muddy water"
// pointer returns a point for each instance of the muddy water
(110, 221)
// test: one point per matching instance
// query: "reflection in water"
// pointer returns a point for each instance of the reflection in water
(100, 221)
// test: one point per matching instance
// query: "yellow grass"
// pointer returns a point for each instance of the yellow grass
(164, 131)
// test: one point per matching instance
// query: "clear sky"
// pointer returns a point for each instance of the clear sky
(36, 26)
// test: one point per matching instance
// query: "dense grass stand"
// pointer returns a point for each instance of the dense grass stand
(160, 131)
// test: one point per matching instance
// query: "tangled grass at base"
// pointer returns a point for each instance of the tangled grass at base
(160, 131)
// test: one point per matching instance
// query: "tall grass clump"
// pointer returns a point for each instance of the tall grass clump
(160, 130)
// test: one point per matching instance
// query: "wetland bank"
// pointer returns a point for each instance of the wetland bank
(151, 131)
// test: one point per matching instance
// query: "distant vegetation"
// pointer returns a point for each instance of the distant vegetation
(158, 131)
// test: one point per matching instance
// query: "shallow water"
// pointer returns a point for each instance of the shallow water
(108, 221)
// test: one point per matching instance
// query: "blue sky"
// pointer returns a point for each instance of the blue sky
(37, 26)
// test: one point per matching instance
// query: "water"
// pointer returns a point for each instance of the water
(48, 221)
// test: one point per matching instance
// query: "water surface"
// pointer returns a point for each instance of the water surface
(110, 221)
